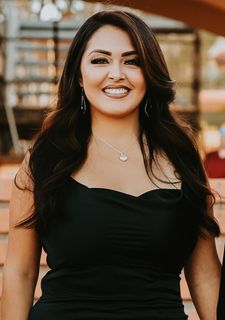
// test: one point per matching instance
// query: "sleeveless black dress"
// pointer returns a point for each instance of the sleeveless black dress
(114, 256)
(221, 303)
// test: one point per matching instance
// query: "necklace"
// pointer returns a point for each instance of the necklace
(122, 156)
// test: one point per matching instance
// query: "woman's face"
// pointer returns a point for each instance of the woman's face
(112, 79)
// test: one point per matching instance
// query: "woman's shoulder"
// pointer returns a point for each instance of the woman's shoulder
(23, 178)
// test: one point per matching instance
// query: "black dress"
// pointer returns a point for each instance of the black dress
(114, 256)
(221, 303)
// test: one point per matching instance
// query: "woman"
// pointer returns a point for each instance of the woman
(114, 191)
(221, 304)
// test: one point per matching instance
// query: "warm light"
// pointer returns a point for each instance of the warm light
(50, 13)
(217, 52)
(77, 5)
(211, 139)
(217, 48)
(62, 5)
(36, 6)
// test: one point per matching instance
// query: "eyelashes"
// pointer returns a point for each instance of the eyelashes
(135, 62)
(99, 61)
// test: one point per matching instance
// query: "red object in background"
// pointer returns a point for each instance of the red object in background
(215, 166)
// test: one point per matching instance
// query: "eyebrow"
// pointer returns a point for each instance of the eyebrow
(124, 54)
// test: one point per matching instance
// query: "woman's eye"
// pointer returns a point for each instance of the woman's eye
(99, 61)
(135, 62)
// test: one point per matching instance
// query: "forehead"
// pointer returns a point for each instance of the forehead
(110, 38)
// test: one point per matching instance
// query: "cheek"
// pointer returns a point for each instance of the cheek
(141, 80)
(142, 83)
(141, 87)
(92, 77)
(137, 79)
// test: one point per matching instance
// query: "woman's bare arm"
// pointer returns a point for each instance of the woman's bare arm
(202, 272)
(23, 255)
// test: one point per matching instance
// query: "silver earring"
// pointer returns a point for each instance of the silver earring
(83, 105)
(147, 103)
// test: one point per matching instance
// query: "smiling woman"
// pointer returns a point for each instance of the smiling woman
(112, 72)
(114, 190)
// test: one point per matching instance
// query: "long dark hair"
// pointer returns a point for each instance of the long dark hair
(62, 143)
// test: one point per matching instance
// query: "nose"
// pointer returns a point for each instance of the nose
(115, 72)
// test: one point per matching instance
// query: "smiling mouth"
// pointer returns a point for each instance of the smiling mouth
(116, 92)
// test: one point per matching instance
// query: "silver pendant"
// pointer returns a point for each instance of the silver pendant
(123, 157)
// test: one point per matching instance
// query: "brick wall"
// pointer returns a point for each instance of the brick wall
(7, 173)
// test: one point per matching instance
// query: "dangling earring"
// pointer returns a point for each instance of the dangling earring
(147, 103)
(83, 105)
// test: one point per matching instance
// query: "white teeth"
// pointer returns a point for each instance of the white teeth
(116, 91)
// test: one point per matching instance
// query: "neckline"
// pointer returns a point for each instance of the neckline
(148, 192)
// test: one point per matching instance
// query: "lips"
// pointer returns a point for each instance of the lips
(116, 90)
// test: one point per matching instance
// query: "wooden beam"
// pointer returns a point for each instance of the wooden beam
(203, 14)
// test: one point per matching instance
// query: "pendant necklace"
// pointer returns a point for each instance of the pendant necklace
(122, 156)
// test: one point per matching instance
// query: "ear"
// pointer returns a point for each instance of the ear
(80, 81)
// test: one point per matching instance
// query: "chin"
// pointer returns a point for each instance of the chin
(114, 108)
(118, 113)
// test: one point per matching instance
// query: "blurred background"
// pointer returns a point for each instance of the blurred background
(34, 39)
